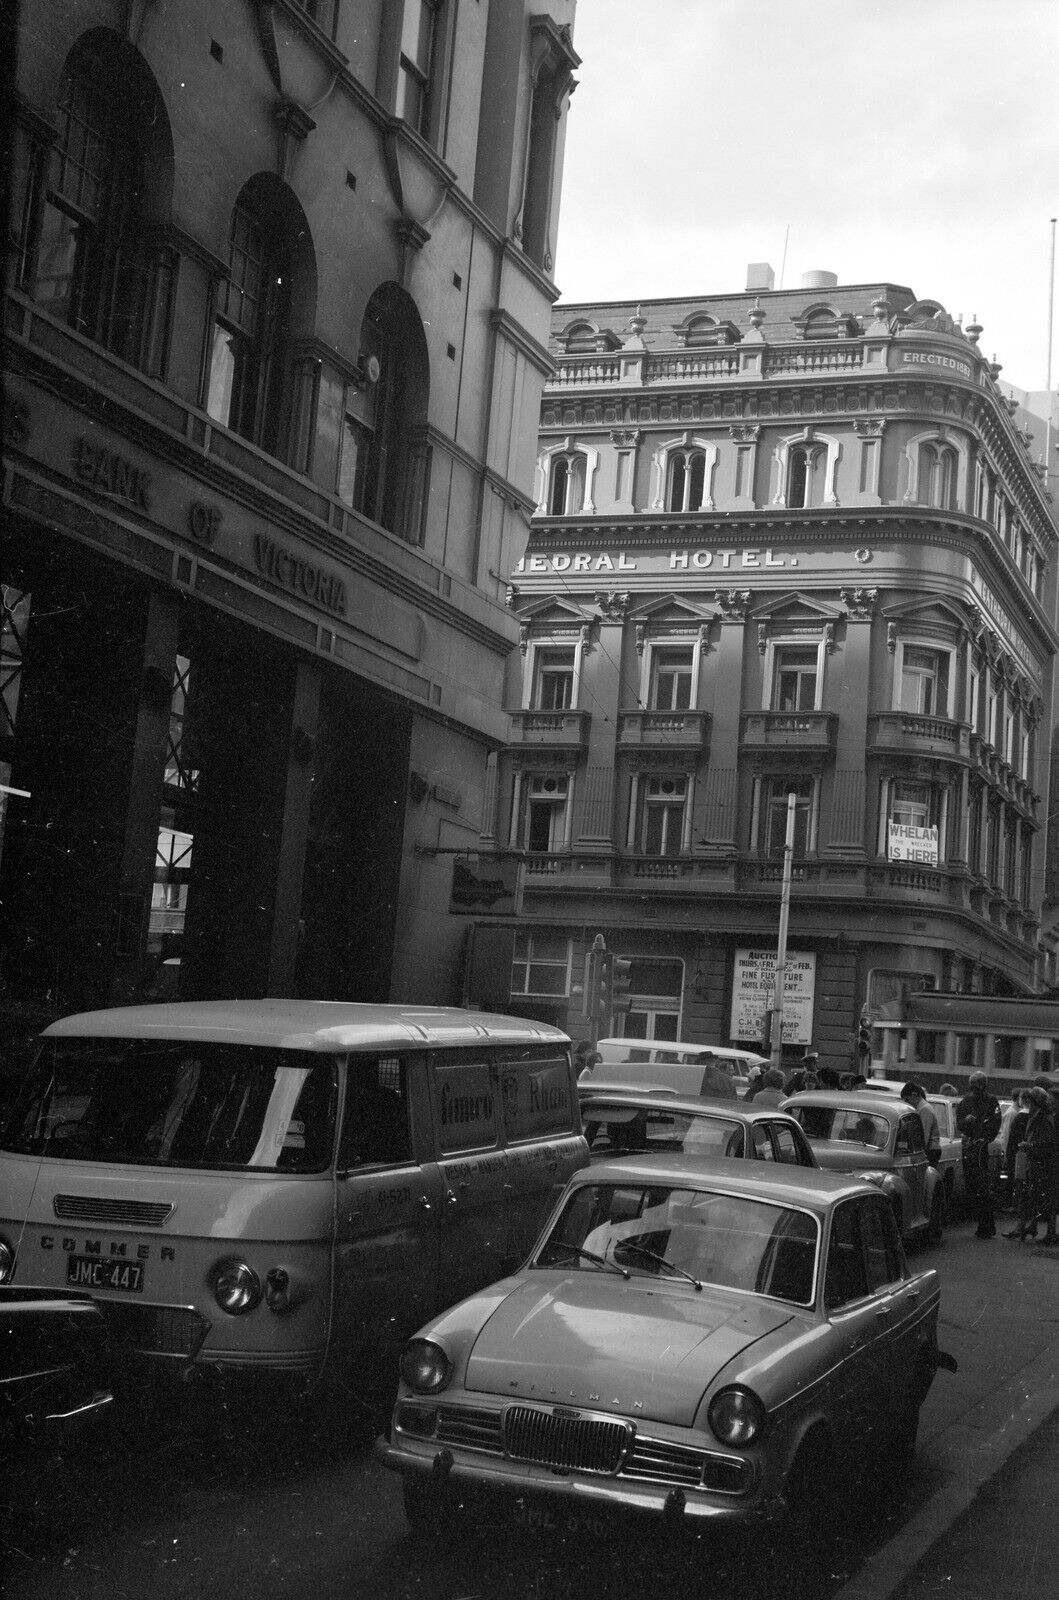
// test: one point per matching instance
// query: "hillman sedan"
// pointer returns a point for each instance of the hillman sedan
(620, 1123)
(881, 1137)
(713, 1342)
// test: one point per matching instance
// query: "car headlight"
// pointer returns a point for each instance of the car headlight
(424, 1366)
(236, 1287)
(7, 1261)
(736, 1416)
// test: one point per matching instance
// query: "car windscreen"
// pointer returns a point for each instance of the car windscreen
(175, 1103)
(669, 1232)
(625, 1130)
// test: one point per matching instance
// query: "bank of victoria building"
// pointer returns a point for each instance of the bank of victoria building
(783, 541)
(276, 326)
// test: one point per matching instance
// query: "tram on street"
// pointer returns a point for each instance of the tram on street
(941, 1038)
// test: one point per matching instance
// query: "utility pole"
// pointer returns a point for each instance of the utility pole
(776, 1034)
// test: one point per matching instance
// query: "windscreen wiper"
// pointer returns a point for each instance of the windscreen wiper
(663, 1261)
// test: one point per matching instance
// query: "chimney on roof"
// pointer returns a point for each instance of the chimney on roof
(819, 280)
(759, 275)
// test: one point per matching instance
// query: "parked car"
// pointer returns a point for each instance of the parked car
(619, 1123)
(696, 1069)
(881, 1137)
(718, 1341)
(279, 1185)
(944, 1107)
(54, 1362)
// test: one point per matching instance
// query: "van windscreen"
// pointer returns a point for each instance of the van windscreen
(175, 1103)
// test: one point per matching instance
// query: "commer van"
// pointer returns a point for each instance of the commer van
(281, 1185)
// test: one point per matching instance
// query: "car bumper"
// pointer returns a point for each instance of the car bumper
(522, 1479)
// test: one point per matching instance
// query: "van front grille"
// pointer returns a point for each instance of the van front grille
(119, 1213)
(155, 1330)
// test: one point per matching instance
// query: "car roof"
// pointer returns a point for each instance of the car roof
(722, 1052)
(690, 1105)
(329, 1025)
(852, 1100)
(804, 1186)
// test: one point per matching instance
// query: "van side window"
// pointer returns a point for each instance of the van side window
(375, 1127)
(536, 1096)
(466, 1105)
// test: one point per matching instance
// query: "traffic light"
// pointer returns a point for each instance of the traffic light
(864, 1040)
(620, 984)
(597, 987)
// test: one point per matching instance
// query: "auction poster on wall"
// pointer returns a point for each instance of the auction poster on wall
(753, 983)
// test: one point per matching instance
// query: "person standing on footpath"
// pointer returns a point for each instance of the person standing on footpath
(977, 1123)
(1017, 1163)
(914, 1095)
(1042, 1152)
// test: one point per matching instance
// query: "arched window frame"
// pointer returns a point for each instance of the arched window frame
(686, 446)
(811, 443)
(550, 790)
(582, 464)
(660, 811)
(929, 807)
(944, 680)
(93, 249)
(768, 800)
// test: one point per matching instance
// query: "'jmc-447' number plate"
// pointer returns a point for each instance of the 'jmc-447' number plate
(93, 1272)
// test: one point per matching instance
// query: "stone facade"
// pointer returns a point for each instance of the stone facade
(784, 541)
(276, 323)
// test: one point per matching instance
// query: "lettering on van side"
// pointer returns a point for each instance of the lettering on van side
(548, 1097)
(115, 1247)
(464, 1107)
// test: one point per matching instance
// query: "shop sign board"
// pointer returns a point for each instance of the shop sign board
(753, 982)
(907, 843)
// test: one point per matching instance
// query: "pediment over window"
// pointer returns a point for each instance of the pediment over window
(670, 610)
(798, 608)
(700, 330)
(554, 611)
(583, 337)
(824, 322)
(927, 613)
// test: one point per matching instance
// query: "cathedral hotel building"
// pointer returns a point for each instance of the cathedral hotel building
(276, 322)
(785, 542)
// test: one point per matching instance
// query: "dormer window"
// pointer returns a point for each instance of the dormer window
(566, 492)
(686, 480)
(822, 325)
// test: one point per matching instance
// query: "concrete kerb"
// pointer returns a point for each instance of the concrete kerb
(969, 1459)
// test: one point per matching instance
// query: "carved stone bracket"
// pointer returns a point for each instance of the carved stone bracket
(762, 637)
(745, 433)
(891, 637)
(733, 603)
(641, 635)
(625, 438)
(859, 603)
(614, 606)
(869, 427)
(829, 637)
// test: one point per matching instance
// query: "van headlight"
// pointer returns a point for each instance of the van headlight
(424, 1366)
(236, 1287)
(736, 1416)
(7, 1261)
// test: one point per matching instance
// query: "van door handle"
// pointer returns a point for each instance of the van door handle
(424, 1203)
(452, 1199)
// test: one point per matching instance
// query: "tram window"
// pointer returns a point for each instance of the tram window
(1009, 1054)
(930, 1047)
(968, 1051)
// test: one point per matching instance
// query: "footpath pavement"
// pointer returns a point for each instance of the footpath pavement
(986, 1521)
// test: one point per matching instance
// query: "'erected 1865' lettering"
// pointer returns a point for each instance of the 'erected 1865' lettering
(301, 577)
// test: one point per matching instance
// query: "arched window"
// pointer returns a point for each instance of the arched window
(566, 488)
(385, 456)
(686, 480)
(806, 465)
(108, 178)
(266, 302)
(936, 475)
(821, 324)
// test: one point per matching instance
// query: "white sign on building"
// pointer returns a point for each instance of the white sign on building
(913, 844)
(753, 982)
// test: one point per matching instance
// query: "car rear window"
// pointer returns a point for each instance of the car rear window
(628, 1130)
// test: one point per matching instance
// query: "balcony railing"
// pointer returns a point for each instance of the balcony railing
(685, 730)
(909, 733)
(789, 730)
(555, 730)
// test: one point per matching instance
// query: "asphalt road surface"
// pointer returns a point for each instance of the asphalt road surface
(180, 1499)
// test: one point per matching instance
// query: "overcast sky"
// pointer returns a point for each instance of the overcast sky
(914, 141)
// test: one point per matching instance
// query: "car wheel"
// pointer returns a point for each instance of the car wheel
(808, 1487)
(937, 1217)
(429, 1508)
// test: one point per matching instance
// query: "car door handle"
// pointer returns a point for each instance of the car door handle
(424, 1203)
(451, 1199)
(882, 1312)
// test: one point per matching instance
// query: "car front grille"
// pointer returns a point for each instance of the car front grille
(120, 1213)
(155, 1330)
(475, 1430)
(664, 1463)
(555, 1439)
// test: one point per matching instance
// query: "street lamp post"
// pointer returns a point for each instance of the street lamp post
(776, 1031)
